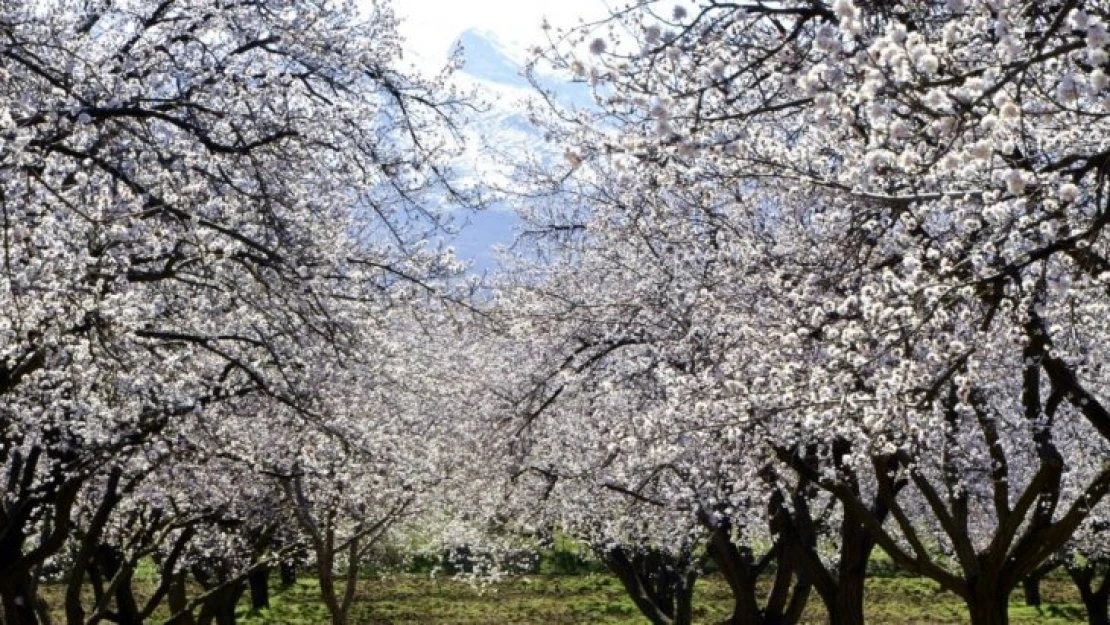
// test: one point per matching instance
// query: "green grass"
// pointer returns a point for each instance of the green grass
(408, 599)
(599, 599)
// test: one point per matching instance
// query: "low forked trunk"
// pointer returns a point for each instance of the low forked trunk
(988, 604)
(18, 600)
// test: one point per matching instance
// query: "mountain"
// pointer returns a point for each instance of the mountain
(487, 58)
(501, 133)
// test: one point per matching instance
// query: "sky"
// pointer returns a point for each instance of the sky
(431, 26)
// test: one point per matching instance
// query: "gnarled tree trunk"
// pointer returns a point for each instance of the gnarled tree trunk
(741, 569)
(1095, 594)
(661, 585)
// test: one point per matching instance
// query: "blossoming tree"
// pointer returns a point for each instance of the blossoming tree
(201, 201)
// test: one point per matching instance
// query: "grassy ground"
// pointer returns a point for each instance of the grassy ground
(599, 599)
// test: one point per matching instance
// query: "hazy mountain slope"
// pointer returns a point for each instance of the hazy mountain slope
(500, 134)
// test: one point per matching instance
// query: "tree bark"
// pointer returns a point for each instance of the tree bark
(742, 570)
(1096, 598)
(178, 600)
(75, 611)
(988, 604)
(661, 586)
(841, 589)
(857, 543)
(112, 563)
(848, 606)
(288, 573)
(126, 605)
(259, 581)
(219, 607)
(1098, 608)
(1031, 589)
(17, 597)
(735, 566)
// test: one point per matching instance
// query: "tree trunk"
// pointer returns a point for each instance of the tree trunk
(87, 547)
(219, 609)
(17, 588)
(736, 567)
(259, 581)
(288, 572)
(111, 563)
(660, 585)
(18, 599)
(178, 600)
(1096, 598)
(225, 611)
(126, 606)
(1098, 608)
(857, 543)
(988, 604)
(684, 602)
(848, 606)
(741, 570)
(1031, 588)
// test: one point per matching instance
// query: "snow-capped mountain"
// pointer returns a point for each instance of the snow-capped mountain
(487, 58)
(494, 69)
(500, 133)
